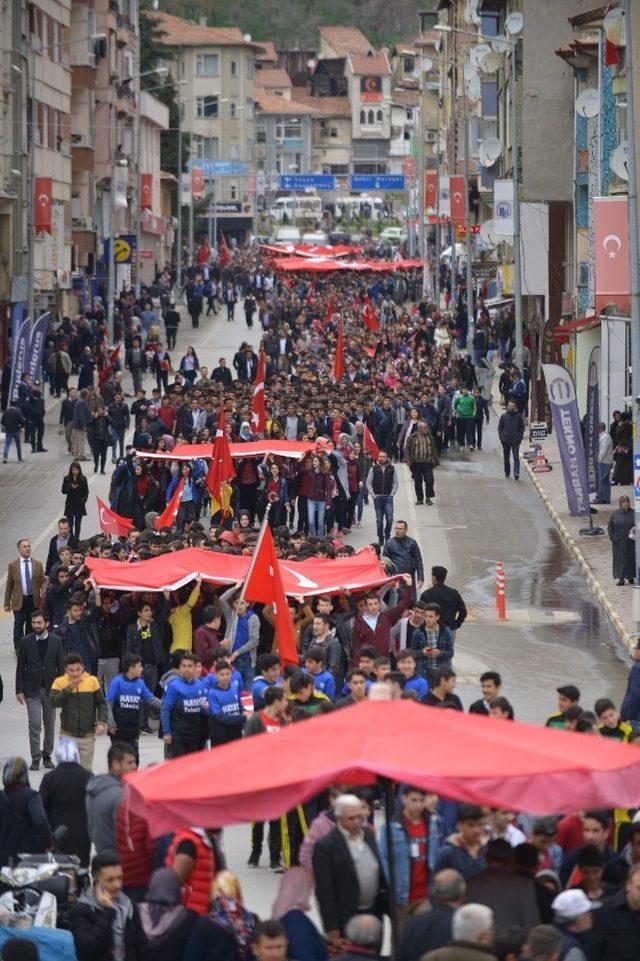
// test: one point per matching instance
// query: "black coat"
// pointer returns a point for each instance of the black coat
(63, 796)
(616, 931)
(92, 932)
(511, 427)
(453, 610)
(337, 888)
(171, 945)
(31, 675)
(134, 640)
(425, 932)
(74, 505)
(24, 828)
(210, 941)
(52, 554)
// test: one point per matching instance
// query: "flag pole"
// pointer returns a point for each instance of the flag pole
(256, 550)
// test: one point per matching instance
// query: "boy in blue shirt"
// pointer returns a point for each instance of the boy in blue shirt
(268, 675)
(226, 717)
(182, 706)
(323, 680)
(124, 696)
(406, 663)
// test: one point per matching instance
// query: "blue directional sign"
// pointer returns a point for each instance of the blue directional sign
(306, 182)
(376, 182)
(221, 168)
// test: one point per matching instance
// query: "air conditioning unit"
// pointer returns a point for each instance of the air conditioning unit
(279, 141)
(83, 223)
(81, 140)
(431, 136)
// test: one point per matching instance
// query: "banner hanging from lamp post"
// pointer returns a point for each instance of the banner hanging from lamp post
(592, 427)
(566, 423)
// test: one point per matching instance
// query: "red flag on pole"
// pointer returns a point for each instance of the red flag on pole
(369, 315)
(112, 523)
(146, 191)
(338, 360)
(104, 372)
(224, 256)
(169, 514)
(457, 191)
(430, 188)
(204, 253)
(329, 312)
(370, 445)
(42, 188)
(221, 467)
(264, 584)
(371, 351)
(258, 410)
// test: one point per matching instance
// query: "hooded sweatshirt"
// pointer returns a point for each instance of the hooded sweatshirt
(104, 794)
(117, 917)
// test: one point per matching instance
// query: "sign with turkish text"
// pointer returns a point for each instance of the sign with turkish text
(592, 426)
(566, 423)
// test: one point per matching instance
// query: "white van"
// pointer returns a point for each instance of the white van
(394, 235)
(287, 235)
(298, 207)
(317, 239)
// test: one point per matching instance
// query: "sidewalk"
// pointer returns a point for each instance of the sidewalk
(593, 554)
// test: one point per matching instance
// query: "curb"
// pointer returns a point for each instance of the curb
(626, 636)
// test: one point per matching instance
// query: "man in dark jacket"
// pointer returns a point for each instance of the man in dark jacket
(432, 929)
(453, 610)
(146, 638)
(222, 374)
(104, 922)
(36, 419)
(405, 554)
(616, 929)
(40, 661)
(64, 538)
(364, 938)
(13, 422)
(120, 418)
(347, 869)
(510, 433)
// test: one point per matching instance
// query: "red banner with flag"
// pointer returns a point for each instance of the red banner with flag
(258, 409)
(264, 584)
(169, 514)
(221, 468)
(197, 184)
(370, 445)
(611, 242)
(146, 191)
(42, 190)
(105, 371)
(329, 312)
(112, 523)
(431, 191)
(338, 360)
(224, 256)
(204, 253)
(369, 315)
(457, 192)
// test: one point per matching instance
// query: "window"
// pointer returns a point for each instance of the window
(127, 64)
(363, 117)
(234, 150)
(248, 110)
(207, 65)
(489, 98)
(233, 109)
(261, 132)
(370, 119)
(293, 129)
(54, 40)
(206, 148)
(409, 115)
(249, 68)
(409, 64)
(333, 131)
(234, 68)
(233, 191)
(379, 116)
(207, 106)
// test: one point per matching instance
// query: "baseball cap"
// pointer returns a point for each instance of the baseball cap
(570, 691)
(569, 905)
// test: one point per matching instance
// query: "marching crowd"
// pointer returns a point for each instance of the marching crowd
(369, 379)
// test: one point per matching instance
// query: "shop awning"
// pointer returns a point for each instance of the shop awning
(562, 331)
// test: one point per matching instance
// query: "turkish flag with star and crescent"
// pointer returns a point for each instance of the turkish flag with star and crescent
(430, 188)
(264, 584)
(221, 467)
(369, 315)
(169, 514)
(42, 188)
(112, 523)
(611, 242)
(258, 410)
(457, 192)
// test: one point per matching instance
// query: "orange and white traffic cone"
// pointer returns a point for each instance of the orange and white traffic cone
(501, 601)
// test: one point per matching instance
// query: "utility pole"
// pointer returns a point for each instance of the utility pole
(471, 317)
(190, 252)
(517, 284)
(179, 229)
(436, 286)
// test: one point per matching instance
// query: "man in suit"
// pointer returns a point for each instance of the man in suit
(347, 869)
(40, 661)
(25, 581)
(64, 538)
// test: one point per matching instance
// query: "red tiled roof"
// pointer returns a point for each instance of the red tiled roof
(268, 53)
(179, 33)
(344, 39)
(268, 78)
(327, 106)
(272, 103)
(376, 65)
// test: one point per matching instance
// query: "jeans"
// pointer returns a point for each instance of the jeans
(603, 493)
(360, 505)
(150, 678)
(244, 665)
(39, 712)
(117, 437)
(383, 504)
(515, 451)
(316, 511)
(136, 376)
(13, 435)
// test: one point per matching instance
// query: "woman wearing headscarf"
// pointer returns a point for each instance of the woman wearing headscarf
(165, 921)
(621, 524)
(622, 451)
(24, 828)
(224, 934)
(290, 909)
(63, 797)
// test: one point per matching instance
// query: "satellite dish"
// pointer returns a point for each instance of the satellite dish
(478, 52)
(427, 64)
(491, 62)
(490, 150)
(619, 160)
(487, 233)
(514, 23)
(500, 43)
(588, 103)
(247, 38)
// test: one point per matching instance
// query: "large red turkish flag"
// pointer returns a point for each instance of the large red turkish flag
(264, 584)
(611, 240)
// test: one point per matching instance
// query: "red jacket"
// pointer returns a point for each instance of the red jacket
(197, 890)
(135, 847)
(380, 638)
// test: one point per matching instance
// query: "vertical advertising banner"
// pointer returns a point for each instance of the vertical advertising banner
(36, 347)
(146, 191)
(566, 423)
(503, 204)
(592, 429)
(20, 357)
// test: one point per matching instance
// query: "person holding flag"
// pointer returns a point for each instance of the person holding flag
(221, 472)
(258, 409)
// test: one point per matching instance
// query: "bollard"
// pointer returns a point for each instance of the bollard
(500, 593)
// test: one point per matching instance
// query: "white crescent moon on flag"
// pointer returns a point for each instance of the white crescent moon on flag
(300, 578)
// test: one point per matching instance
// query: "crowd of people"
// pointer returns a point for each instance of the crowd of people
(199, 667)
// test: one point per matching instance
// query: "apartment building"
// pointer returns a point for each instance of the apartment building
(217, 66)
